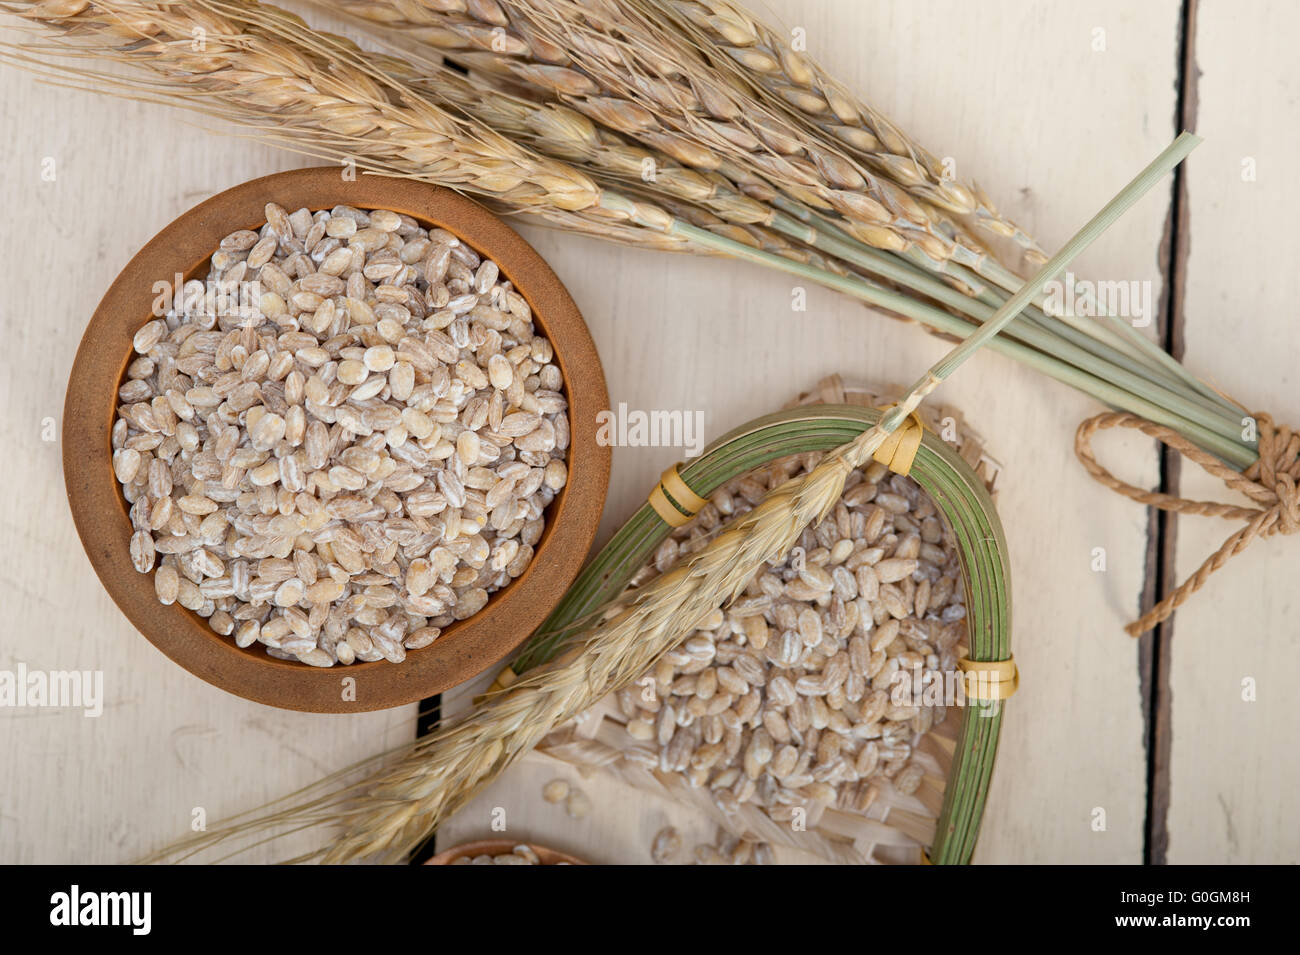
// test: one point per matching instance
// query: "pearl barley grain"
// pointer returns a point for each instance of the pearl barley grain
(343, 467)
(801, 664)
(557, 790)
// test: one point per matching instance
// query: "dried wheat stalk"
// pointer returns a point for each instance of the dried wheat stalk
(627, 69)
(441, 772)
(444, 770)
(320, 95)
(327, 104)
(609, 157)
(317, 94)
(760, 56)
(656, 78)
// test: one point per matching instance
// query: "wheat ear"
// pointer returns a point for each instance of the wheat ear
(321, 101)
(625, 68)
(760, 55)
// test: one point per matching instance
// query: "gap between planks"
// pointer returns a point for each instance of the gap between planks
(1155, 647)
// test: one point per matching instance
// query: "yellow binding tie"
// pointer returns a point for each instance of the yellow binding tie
(899, 449)
(995, 679)
(673, 500)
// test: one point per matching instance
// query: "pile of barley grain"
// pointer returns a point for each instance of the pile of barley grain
(519, 855)
(576, 802)
(782, 700)
(727, 849)
(344, 440)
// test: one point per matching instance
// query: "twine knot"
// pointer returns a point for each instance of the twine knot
(1288, 505)
(1272, 482)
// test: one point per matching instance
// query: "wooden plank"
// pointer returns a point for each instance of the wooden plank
(1233, 771)
(681, 334)
(110, 789)
(674, 334)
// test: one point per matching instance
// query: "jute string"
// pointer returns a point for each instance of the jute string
(1271, 482)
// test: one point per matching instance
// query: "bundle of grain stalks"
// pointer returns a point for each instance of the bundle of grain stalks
(683, 125)
(567, 106)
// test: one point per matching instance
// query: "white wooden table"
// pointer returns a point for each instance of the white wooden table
(1051, 106)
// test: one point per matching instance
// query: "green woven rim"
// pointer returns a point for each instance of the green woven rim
(957, 492)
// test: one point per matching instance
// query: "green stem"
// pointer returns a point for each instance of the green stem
(1098, 339)
(1170, 157)
(1105, 391)
(1007, 280)
(1105, 365)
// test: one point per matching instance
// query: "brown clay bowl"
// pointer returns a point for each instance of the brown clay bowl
(493, 847)
(101, 513)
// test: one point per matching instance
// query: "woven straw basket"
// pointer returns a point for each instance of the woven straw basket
(938, 823)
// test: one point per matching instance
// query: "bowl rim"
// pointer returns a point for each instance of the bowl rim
(100, 511)
(492, 847)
